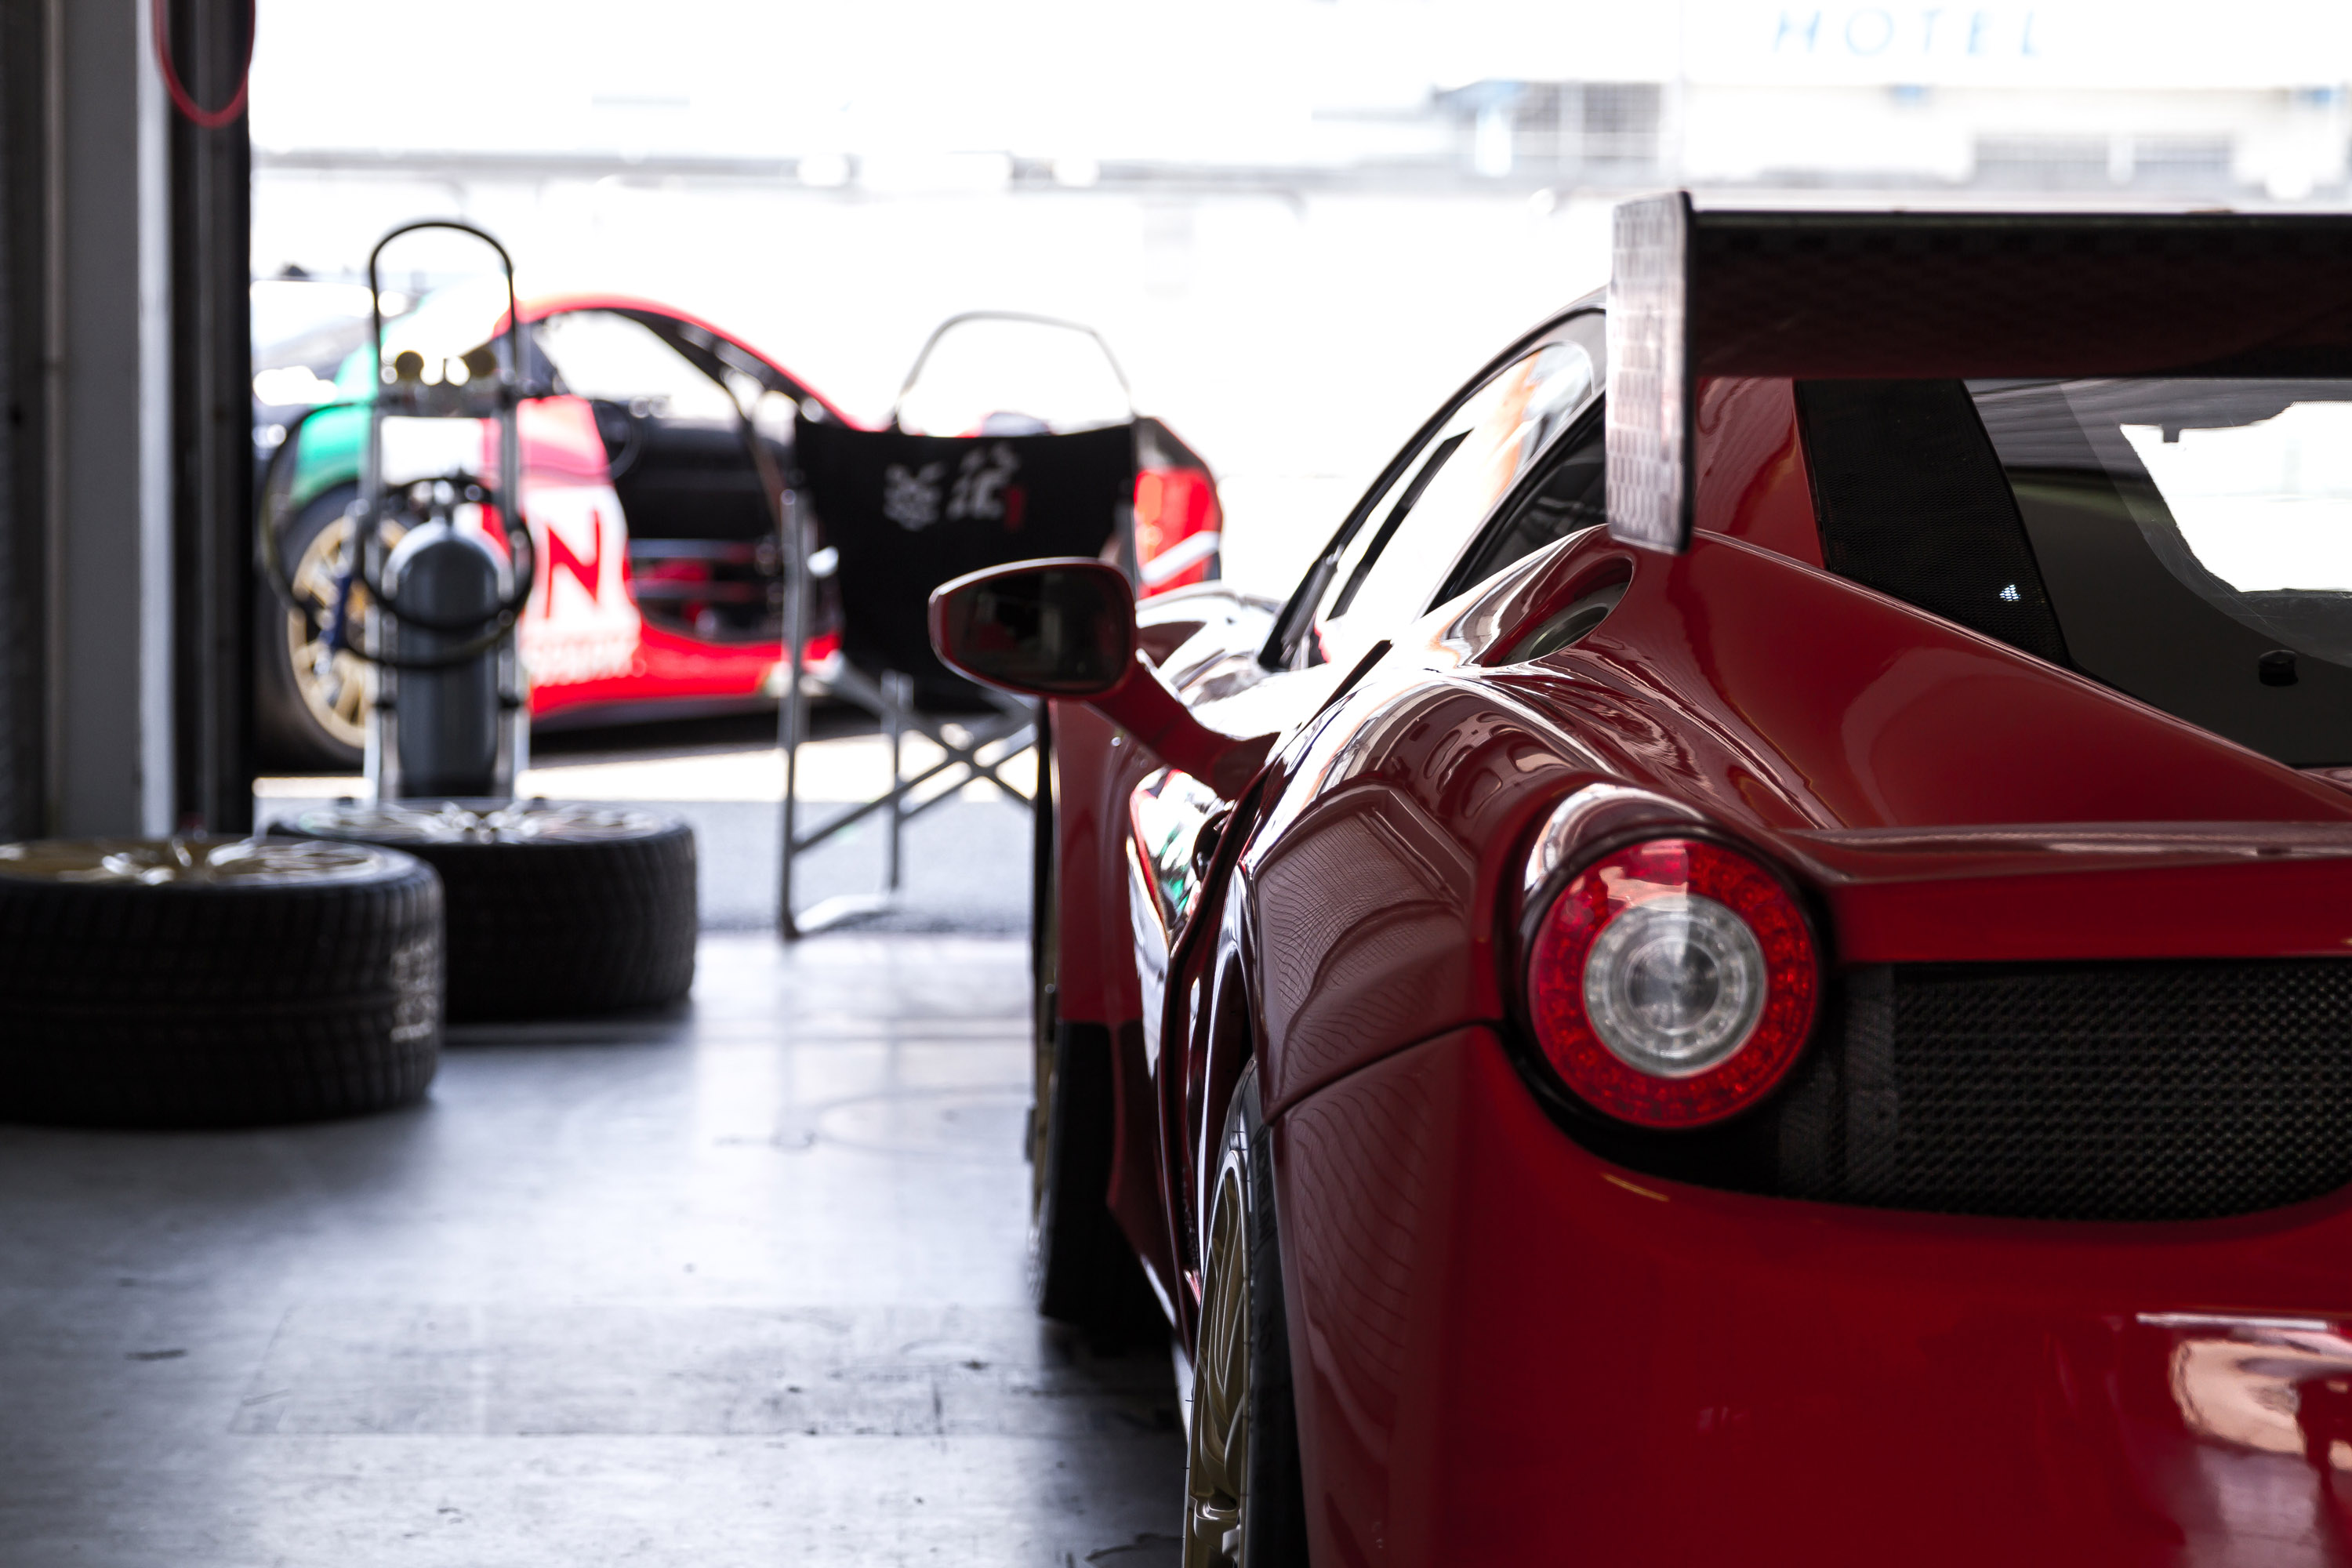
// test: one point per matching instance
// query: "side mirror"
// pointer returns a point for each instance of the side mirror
(1065, 627)
(1061, 628)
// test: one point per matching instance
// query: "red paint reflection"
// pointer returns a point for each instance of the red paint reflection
(2269, 1402)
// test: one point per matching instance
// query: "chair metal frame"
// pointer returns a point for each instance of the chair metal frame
(1013, 726)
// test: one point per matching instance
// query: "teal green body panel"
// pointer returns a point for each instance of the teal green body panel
(329, 454)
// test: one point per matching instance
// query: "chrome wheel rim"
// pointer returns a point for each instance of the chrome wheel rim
(335, 687)
(191, 861)
(1216, 1494)
(479, 822)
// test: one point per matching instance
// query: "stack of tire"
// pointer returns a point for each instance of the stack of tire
(555, 909)
(207, 981)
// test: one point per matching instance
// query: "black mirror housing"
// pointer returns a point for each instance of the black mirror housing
(1059, 627)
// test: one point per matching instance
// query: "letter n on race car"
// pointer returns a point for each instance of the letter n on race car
(579, 632)
(589, 574)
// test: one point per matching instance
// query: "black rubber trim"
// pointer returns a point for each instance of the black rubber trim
(1912, 501)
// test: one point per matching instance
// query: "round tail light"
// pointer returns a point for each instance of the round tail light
(1673, 983)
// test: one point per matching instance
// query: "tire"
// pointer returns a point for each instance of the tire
(298, 724)
(215, 982)
(1081, 1270)
(1244, 1497)
(554, 910)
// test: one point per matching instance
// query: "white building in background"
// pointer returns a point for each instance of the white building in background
(2243, 100)
(2240, 100)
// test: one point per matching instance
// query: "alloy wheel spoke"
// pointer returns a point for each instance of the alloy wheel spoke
(1215, 1506)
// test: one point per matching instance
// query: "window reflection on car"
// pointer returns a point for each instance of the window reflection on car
(1388, 573)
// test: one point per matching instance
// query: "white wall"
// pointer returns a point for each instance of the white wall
(110, 650)
(2287, 144)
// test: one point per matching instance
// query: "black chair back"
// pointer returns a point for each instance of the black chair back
(905, 512)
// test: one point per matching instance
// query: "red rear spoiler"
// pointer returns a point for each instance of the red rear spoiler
(1933, 295)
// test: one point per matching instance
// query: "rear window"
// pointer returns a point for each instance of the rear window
(2186, 540)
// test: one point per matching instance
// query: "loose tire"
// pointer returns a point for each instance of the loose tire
(1081, 1270)
(306, 717)
(1244, 1501)
(212, 983)
(554, 910)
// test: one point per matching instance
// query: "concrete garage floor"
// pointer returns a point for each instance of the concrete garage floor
(966, 860)
(740, 1285)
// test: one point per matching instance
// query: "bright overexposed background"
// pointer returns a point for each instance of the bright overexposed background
(1296, 222)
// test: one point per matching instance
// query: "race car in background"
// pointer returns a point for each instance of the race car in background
(659, 587)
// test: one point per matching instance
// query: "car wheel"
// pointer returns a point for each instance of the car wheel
(1081, 1270)
(310, 706)
(1244, 1504)
(206, 982)
(554, 910)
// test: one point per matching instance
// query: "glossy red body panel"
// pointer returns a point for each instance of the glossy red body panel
(670, 667)
(1509, 1350)
(1796, 708)
(1752, 480)
(1173, 505)
(1373, 898)
(1094, 771)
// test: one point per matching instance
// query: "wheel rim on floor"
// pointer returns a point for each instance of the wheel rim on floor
(159, 862)
(334, 687)
(479, 822)
(1215, 1492)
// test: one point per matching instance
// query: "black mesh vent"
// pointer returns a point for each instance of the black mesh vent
(2073, 1092)
(1913, 502)
(2104, 1091)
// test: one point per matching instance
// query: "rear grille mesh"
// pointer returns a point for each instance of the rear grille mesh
(2066, 1091)
(2114, 1092)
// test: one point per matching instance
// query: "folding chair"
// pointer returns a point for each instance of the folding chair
(900, 514)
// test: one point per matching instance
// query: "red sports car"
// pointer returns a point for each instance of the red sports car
(1758, 974)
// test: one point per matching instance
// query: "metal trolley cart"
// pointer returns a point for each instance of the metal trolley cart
(551, 908)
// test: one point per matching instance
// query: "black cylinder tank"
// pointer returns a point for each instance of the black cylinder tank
(445, 719)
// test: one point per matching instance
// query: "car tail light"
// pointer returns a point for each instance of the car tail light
(1672, 983)
(1178, 526)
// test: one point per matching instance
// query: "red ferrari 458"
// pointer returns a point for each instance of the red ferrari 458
(1757, 967)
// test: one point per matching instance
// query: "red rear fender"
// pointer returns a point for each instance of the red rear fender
(1095, 770)
(1776, 696)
